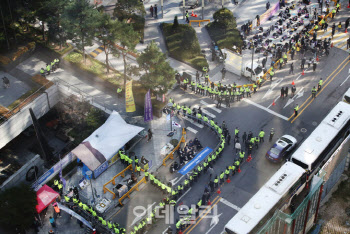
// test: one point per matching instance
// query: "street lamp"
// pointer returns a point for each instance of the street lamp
(89, 174)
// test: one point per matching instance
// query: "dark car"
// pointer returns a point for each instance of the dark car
(281, 148)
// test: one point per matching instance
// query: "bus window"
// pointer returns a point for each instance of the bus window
(296, 161)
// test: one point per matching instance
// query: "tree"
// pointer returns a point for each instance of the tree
(159, 75)
(108, 33)
(224, 18)
(175, 24)
(128, 40)
(17, 207)
(80, 20)
(125, 8)
(189, 41)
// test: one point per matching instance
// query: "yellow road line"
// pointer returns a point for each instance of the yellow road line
(320, 91)
(204, 215)
(93, 54)
(346, 59)
(98, 50)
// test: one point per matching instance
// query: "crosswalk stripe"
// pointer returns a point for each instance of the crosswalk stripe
(192, 130)
(211, 106)
(206, 112)
(343, 44)
(340, 40)
(93, 54)
(194, 123)
(344, 47)
(328, 33)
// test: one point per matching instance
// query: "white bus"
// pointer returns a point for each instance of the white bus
(273, 195)
(305, 162)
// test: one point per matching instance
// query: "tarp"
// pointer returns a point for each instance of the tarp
(45, 195)
(105, 142)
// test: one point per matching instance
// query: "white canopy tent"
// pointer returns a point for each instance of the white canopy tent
(105, 142)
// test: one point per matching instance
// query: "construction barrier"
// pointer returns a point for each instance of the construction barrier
(122, 174)
(136, 186)
(171, 154)
(199, 21)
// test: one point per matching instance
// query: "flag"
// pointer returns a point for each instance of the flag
(148, 115)
(129, 98)
(176, 124)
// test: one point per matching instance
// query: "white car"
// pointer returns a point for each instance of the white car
(280, 149)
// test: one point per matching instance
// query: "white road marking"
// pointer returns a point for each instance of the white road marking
(301, 75)
(138, 218)
(214, 222)
(192, 130)
(193, 122)
(177, 180)
(345, 80)
(206, 112)
(265, 109)
(275, 101)
(339, 40)
(211, 106)
(298, 95)
(229, 204)
(273, 85)
(183, 195)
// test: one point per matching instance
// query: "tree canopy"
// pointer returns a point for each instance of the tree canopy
(17, 207)
(159, 75)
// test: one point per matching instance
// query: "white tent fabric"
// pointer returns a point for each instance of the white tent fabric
(105, 142)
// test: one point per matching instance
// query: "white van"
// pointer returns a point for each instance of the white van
(247, 71)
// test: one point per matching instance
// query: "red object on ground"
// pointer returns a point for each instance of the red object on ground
(192, 14)
(349, 5)
(195, 15)
(346, 30)
(317, 59)
(303, 73)
(239, 170)
(273, 102)
(209, 202)
(228, 180)
(219, 191)
(45, 196)
(249, 158)
(293, 83)
(332, 45)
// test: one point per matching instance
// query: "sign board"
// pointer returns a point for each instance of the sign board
(195, 161)
(100, 169)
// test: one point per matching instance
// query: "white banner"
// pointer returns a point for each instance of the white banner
(69, 211)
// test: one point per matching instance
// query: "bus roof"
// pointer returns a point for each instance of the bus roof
(265, 199)
(321, 137)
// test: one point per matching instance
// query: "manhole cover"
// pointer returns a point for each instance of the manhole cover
(303, 130)
(314, 123)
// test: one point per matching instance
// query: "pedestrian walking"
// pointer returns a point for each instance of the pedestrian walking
(296, 108)
(197, 77)
(347, 21)
(282, 92)
(314, 66)
(223, 71)
(286, 91)
(333, 30)
(261, 135)
(267, 5)
(325, 26)
(313, 92)
(339, 27)
(188, 20)
(238, 147)
(303, 63)
(291, 69)
(150, 134)
(272, 132)
(211, 172)
(293, 90)
(52, 222)
(348, 43)
(244, 137)
(57, 210)
(156, 11)
(151, 10)
(228, 138)
(320, 83)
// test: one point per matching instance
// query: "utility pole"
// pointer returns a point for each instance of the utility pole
(3, 22)
(161, 3)
(89, 174)
(183, 9)
(251, 73)
(202, 9)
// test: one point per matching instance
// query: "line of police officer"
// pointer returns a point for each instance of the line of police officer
(50, 67)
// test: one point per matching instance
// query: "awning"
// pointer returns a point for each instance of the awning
(105, 142)
(45, 196)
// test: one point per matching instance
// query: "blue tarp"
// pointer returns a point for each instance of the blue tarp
(195, 161)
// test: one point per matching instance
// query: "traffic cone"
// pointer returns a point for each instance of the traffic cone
(239, 170)
(192, 14)
(195, 15)
(209, 202)
(219, 191)
(303, 73)
(293, 83)
(349, 5)
(249, 158)
(332, 45)
(317, 59)
(273, 102)
(228, 180)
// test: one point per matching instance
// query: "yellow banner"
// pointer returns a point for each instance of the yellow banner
(129, 98)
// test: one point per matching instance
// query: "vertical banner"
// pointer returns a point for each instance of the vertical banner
(129, 98)
(148, 107)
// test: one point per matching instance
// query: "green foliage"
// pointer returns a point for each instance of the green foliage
(183, 45)
(224, 17)
(17, 207)
(125, 8)
(159, 75)
(224, 30)
(95, 118)
(176, 23)
(80, 21)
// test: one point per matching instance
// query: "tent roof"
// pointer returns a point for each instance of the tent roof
(105, 141)
(45, 195)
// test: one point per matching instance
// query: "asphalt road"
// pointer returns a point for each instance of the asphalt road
(253, 114)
